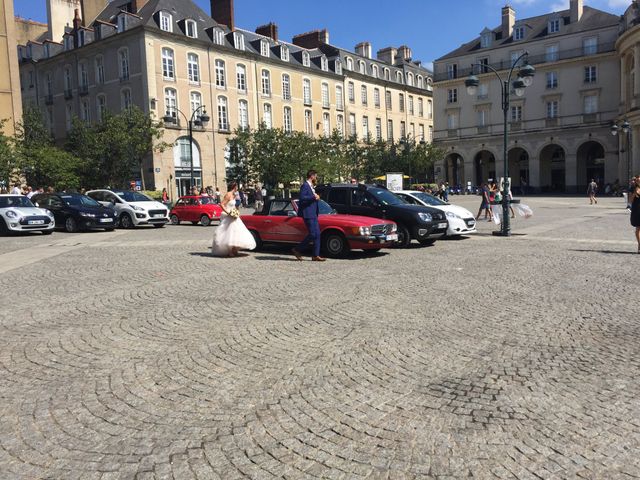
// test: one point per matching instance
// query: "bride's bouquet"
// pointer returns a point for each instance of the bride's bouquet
(234, 213)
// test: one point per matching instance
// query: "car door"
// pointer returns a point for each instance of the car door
(290, 227)
(271, 224)
(409, 199)
(193, 210)
(364, 204)
(55, 204)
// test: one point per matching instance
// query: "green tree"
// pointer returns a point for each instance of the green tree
(8, 159)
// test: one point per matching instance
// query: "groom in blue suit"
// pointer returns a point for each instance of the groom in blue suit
(308, 210)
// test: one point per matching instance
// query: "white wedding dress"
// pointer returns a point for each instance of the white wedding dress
(231, 233)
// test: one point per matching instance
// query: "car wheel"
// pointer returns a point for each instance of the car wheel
(70, 225)
(174, 219)
(158, 225)
(4, 230)
(426, 242)
(334, 245)
(404, 237)
(256, 237)
(205, 220)
(126, 221)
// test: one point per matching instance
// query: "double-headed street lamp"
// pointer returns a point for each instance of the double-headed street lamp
(624, 127)
(524, 80)
(198, 118)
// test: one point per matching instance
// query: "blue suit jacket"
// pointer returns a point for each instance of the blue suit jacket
(307, 203)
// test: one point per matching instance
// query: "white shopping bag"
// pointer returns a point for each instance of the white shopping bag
(495, 214)
(524, 210)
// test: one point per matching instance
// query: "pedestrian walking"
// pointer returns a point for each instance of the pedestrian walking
(16, 190)
(592, 188)
(259, 201)
(308, 209)
(217, 195)
(445, 192)
(634, 201)
(486, 203)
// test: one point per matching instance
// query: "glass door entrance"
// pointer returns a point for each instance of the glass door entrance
(183, 184)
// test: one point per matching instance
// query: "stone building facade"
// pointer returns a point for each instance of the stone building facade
(10, 102)
(170, 56)
(559, 130)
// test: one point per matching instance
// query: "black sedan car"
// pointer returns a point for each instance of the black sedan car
(74, 211)
(423, 224)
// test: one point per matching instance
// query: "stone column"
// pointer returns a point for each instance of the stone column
(571, 173)
(534, 175)
(635, 151)
(635, 94)
(469, 172)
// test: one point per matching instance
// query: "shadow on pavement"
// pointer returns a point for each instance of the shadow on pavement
(620, 252)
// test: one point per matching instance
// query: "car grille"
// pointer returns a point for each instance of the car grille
(383, 229)
(25, 221)
(157, 212)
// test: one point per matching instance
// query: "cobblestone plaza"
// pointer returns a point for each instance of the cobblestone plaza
(136, 355)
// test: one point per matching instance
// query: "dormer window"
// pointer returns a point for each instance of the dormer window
(554, 25)
(284, 53)
(485, 39)
(374, 70)
(518, 33)
(121, 23)
(399, 77)
(338, 67)
(410, 79)
(306, 60)
(238, 40)
(324, 64)
(166, 22)
(362, 68)
(420, 81)
(191, 28)
(264, 48)
(349, 64)
(387, 74)
(218, 36)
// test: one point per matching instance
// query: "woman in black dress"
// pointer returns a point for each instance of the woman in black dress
(634, 201)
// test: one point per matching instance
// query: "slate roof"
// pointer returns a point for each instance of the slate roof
(536, 28)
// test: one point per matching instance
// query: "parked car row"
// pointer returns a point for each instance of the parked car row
(352, 217)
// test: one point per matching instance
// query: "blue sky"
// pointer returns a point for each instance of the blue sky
(430, 27)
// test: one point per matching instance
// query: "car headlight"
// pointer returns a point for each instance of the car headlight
(12, 214)
(363, 231)
(49, 214)
(394, 228)
(451, 215)
(425, 217)
(85, 214)
(137, 208)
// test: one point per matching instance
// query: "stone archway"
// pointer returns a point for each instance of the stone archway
(484, 164)
(518, 167)
(552, 168)
(590, 160)
(454, 169)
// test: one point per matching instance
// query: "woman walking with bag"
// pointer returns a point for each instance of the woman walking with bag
(634, 201)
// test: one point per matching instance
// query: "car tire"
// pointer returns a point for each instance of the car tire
(174, 219)
(334, 245)
(205, 220)
(427, 242)
(4, 230)
(404, 237)
(126, 221)
(70, 225)
(158, 225)
(258, 240)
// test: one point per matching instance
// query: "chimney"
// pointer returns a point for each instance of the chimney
(223, 13)
(404, 52)
(508, 21)
(269, 30)
(364, 49)
(387, 55)
(576, 7)
(77, 21)
(312, 39)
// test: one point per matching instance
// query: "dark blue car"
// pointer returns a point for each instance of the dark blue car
(74, 211)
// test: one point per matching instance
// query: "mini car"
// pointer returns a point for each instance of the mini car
(424, 224)
(19, 214)
(195, 209)
(74, 211)
(461, 220)
(133, 208)
(278, 222)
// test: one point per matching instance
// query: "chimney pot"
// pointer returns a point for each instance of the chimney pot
(508, 21)
(269, 30)
(576, 8)
(364, 49)
(311, 39)
(222, 12)
(387, 55)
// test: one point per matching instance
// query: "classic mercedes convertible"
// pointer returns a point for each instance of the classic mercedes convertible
(278, 222)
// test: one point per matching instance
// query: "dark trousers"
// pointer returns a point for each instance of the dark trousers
(314, 236)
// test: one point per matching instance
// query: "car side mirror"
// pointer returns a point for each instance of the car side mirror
(291, 213)
(113, 201)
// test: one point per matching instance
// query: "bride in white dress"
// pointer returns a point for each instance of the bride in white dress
(231, 235)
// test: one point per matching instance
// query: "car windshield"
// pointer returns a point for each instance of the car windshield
(17, 201)
(79, 201)
(385, 197)
(129, 196)
(323, 207)
(429, 199)
(207, 200)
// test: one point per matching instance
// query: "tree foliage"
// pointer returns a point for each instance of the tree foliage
(8, 158)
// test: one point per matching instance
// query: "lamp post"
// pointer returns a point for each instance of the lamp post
(199, 118)
(624, 127)
(524, 80)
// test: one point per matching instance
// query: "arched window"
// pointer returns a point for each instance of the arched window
(267, 118)
(171, 103)
(308, 122)
(288, 120)
(221, 75)
(324, 63)
(193, 68)
(374, 70)
(191, 28)
(362, 67)
(223, 114)
(266, 83)
(101, 106)
(306, 59)
(306, 91)
(349, 64)
(123, 63)
(125, 99)
(195, 100)
(241, 78)
(325, 95)
(264, 48)
(182, 154)
(284, 53)
(420, 81)
(166, 21)
(243, 114)
(218, 36)
(286, 86)
(338, 67)
(326, 124)
(99, 61)
(387, 74)
(168, 64)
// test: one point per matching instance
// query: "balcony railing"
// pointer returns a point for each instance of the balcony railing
(535, 59)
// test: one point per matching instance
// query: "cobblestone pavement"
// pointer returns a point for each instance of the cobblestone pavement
(135, 355)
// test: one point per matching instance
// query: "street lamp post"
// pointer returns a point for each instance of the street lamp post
(625, 127)
(199, 118)
(524, 79)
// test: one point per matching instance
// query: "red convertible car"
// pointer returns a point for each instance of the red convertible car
(195, 209)
(279, 223)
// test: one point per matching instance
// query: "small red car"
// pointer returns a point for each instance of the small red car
(195, 209)
(279, 223)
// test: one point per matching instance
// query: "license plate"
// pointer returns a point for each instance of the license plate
(106, 220)
(36, 222)
(158, 215)
(392, 238)
(442, 225)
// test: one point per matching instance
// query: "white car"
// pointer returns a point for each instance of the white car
(18, 214)
(461, 220)
(133, 208)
